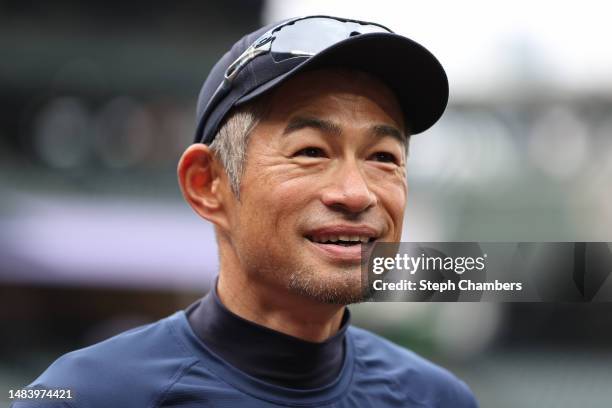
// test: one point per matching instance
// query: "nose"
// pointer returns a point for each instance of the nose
(348, 190)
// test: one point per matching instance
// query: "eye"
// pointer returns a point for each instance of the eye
(310, 152)
(385, 157)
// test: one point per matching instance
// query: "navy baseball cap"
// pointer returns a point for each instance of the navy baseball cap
(266, 58)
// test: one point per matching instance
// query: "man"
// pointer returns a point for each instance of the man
(299, 160)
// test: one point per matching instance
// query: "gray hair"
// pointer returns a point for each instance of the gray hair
(231, 141)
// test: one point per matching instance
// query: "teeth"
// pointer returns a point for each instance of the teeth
(336, 238)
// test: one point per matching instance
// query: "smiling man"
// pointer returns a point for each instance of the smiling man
(299, 159)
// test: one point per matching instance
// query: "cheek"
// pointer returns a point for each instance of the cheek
(272, 207)
(393, 196)
(396, 202)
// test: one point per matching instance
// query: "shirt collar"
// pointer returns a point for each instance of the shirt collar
(266, 354)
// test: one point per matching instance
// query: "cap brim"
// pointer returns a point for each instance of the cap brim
(409, 69)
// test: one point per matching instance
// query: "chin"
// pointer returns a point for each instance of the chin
(331, 285)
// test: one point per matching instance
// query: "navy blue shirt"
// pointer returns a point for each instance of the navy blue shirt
(165, 364)
(267, 354)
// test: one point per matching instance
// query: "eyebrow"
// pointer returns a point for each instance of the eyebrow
(388, 130)
(326, 126)
(302, 122)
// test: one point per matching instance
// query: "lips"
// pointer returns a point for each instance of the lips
(341, 242)
(341, 239)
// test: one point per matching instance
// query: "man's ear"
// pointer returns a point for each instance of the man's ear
(204, 184)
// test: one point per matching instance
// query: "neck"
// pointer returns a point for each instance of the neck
(266, 354)
(278, 309)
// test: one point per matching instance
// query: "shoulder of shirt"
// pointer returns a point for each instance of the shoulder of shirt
(132, 369)
(376, 355)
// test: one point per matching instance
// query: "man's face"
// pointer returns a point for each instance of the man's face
(325, 171)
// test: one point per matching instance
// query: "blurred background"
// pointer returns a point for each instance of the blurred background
(97, 103)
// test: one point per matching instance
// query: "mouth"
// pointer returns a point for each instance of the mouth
(342, 240)
(342, 244)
